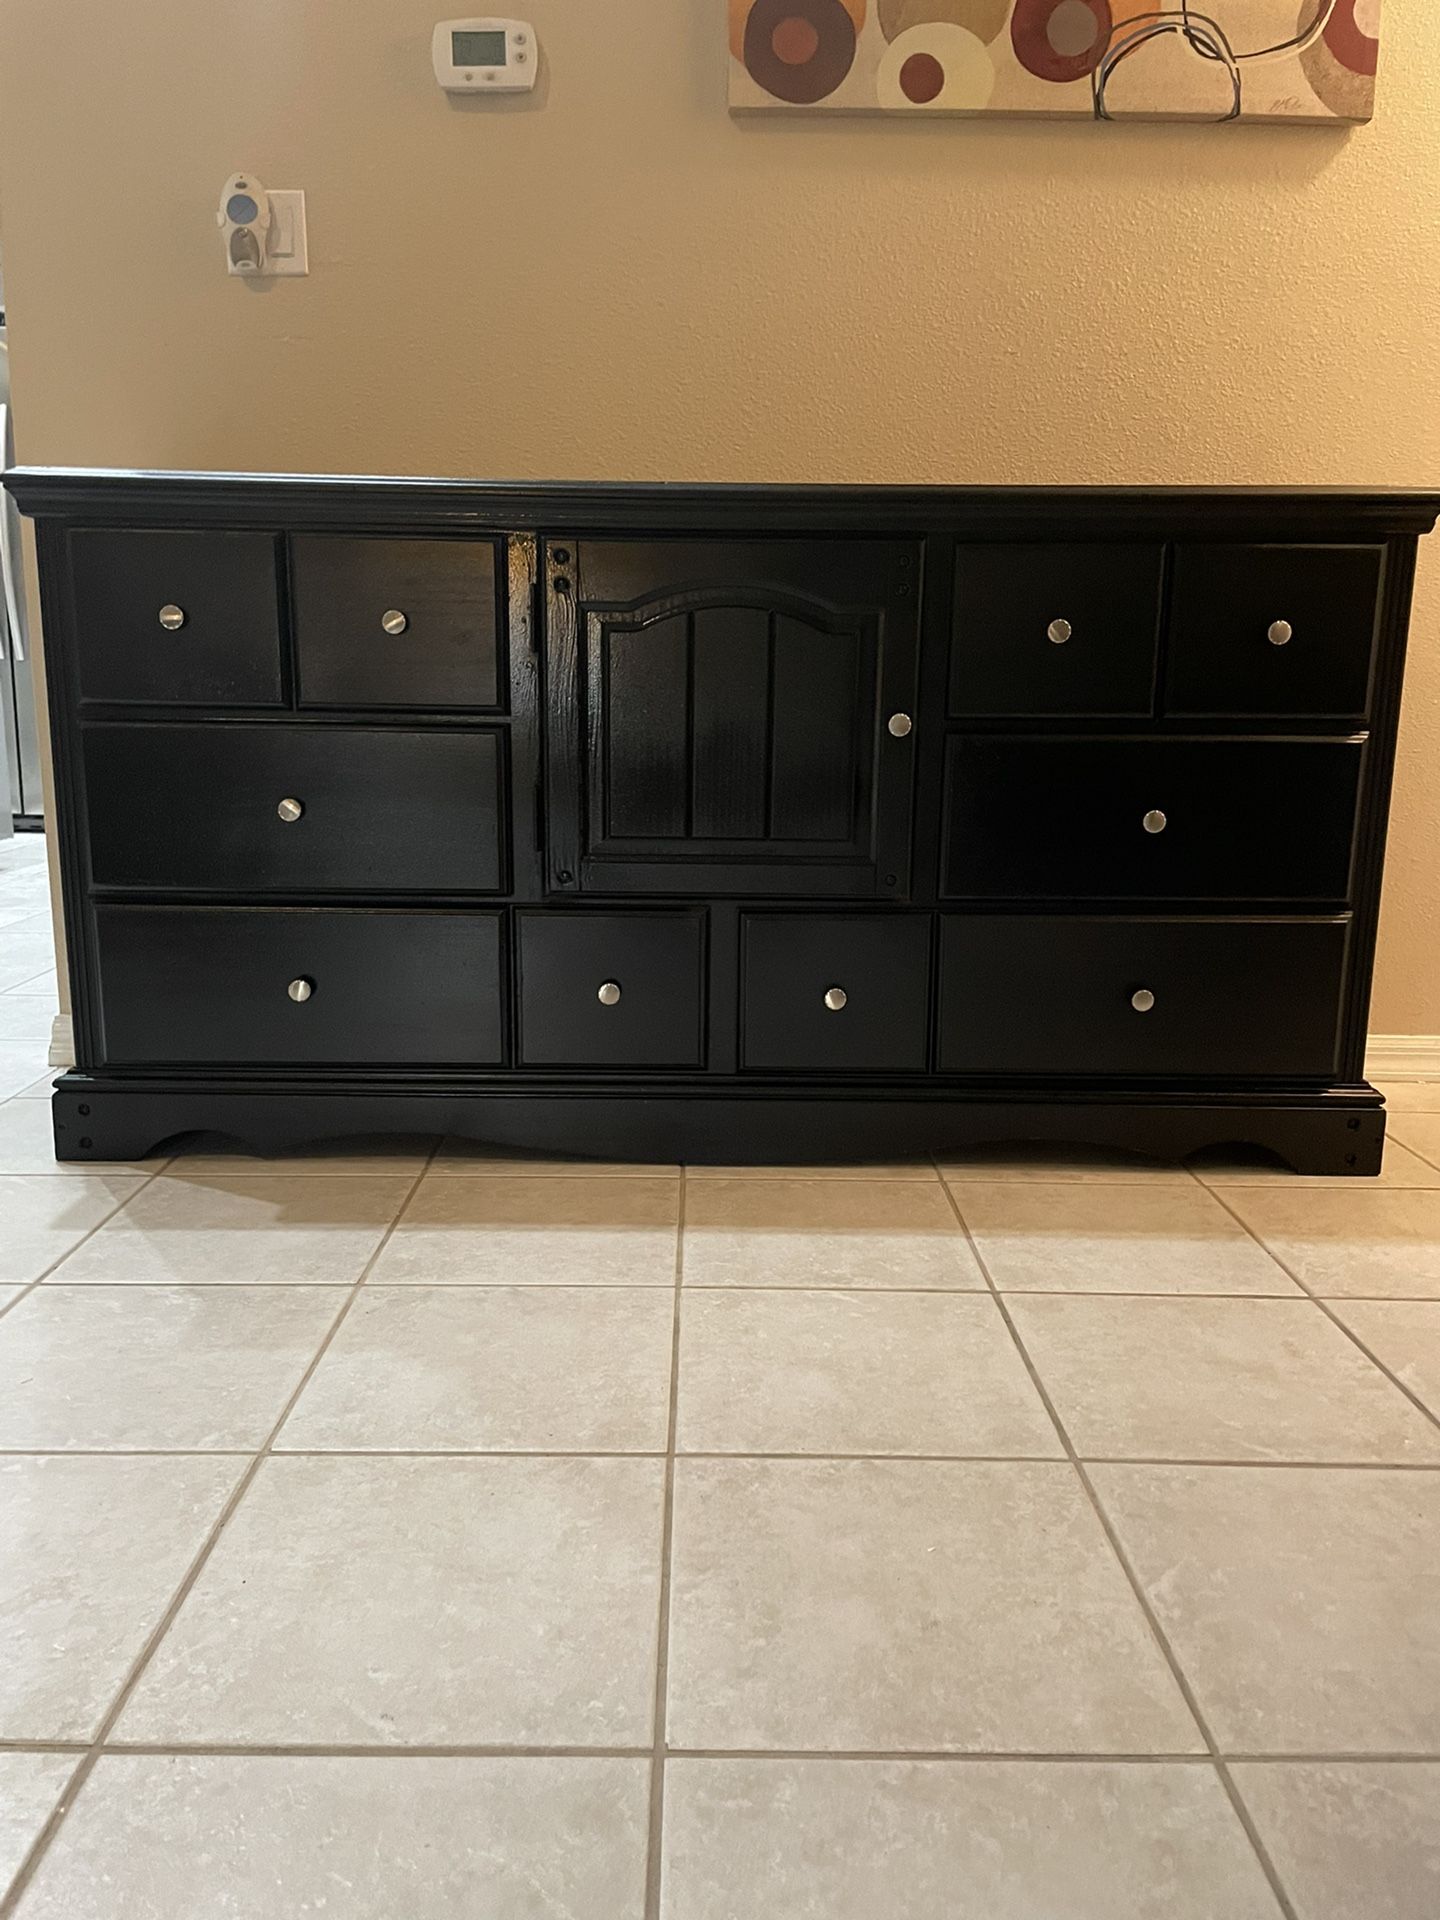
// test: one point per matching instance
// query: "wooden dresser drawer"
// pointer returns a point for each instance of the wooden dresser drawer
(181, 619)
(611, 989)
(244, 985)
(1272, 630)
(831, 993)
(397, 623)
(1037, 994)
(205, 809)
(1055, 629)
(1112, 819)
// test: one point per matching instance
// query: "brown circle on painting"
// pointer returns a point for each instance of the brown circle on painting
(983, 18)
(1070, 53)
(775, 24)
(921, 78)
(795, 41)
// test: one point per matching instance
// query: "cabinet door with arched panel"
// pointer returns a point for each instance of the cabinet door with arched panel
(731, 716)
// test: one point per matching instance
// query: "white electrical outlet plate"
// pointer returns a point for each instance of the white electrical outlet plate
(288, 248)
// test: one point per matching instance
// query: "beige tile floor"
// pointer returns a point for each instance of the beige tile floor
(439, 1533)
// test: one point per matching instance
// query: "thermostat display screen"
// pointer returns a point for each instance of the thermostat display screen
(478, 49)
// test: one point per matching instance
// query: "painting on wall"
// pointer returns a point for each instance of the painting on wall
(1266, 60)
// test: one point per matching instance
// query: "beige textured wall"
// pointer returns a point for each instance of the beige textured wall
(616, 279)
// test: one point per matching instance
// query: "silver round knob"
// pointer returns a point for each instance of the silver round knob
(290, 810)
(1280, 633)
(835, 998)
(609, 994)
(1058, 632)
(1142, 1000)
(394, 621)
(172, 618)
(899, 724)
(300, 989)
(1154, 821)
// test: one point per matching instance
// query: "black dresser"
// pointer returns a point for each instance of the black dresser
(721, 823)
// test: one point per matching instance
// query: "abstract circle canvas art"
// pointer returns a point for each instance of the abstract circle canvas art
(1212, 60)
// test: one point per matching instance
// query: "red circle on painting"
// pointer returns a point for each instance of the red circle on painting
(921, 78)
(795, 40)
(1039, 54)
(1351, 47)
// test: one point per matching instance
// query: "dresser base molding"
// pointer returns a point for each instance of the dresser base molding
(1324, 1133)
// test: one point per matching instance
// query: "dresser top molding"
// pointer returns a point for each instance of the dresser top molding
(124, 497)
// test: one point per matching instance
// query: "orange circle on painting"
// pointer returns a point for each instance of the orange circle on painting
(983, 18)
(795, 40)
(921, 78)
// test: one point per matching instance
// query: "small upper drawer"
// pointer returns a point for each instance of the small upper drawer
(397, 623)
(184, 619)
(612, 989)
(234, 985)
(1030, 994)
(1272, 630)
(293, 809)
(1055, 629)
(828, 993)
(1150, 819)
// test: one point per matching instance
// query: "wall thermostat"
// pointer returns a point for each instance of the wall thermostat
(485, 56)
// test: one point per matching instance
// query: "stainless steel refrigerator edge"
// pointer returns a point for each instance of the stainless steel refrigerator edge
(20, 802)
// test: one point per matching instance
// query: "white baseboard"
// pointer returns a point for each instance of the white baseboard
(1402, 1056)
(62, 1041)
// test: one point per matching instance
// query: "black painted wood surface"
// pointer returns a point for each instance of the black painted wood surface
(881, 964)
(448, 591)
(226, 652)
(1066, 819)
(641, 733)
(1061, 628)
(195, 809)
(654, 962)
(1035, 994)
(189, 985)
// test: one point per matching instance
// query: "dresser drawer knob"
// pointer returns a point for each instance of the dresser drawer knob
(835, 998)
(394, 621)
(290, 811)
(1142, 1000)
(609, 994)
(300, 989)
(172, 618)
(899, 724)
(1058, 632)
(1280, 633)
(1155, 821)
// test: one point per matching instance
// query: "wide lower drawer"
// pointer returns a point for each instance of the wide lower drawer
(259, 809)
(1052, 994)
(1113, 819)
(184, 985)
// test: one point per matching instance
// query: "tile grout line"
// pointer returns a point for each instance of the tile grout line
(960, 1756)
(43, 1841)
(656, 1827)
(1056, 1459)
(29, 1286)
(1187, 1692)
(1316, 1300)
